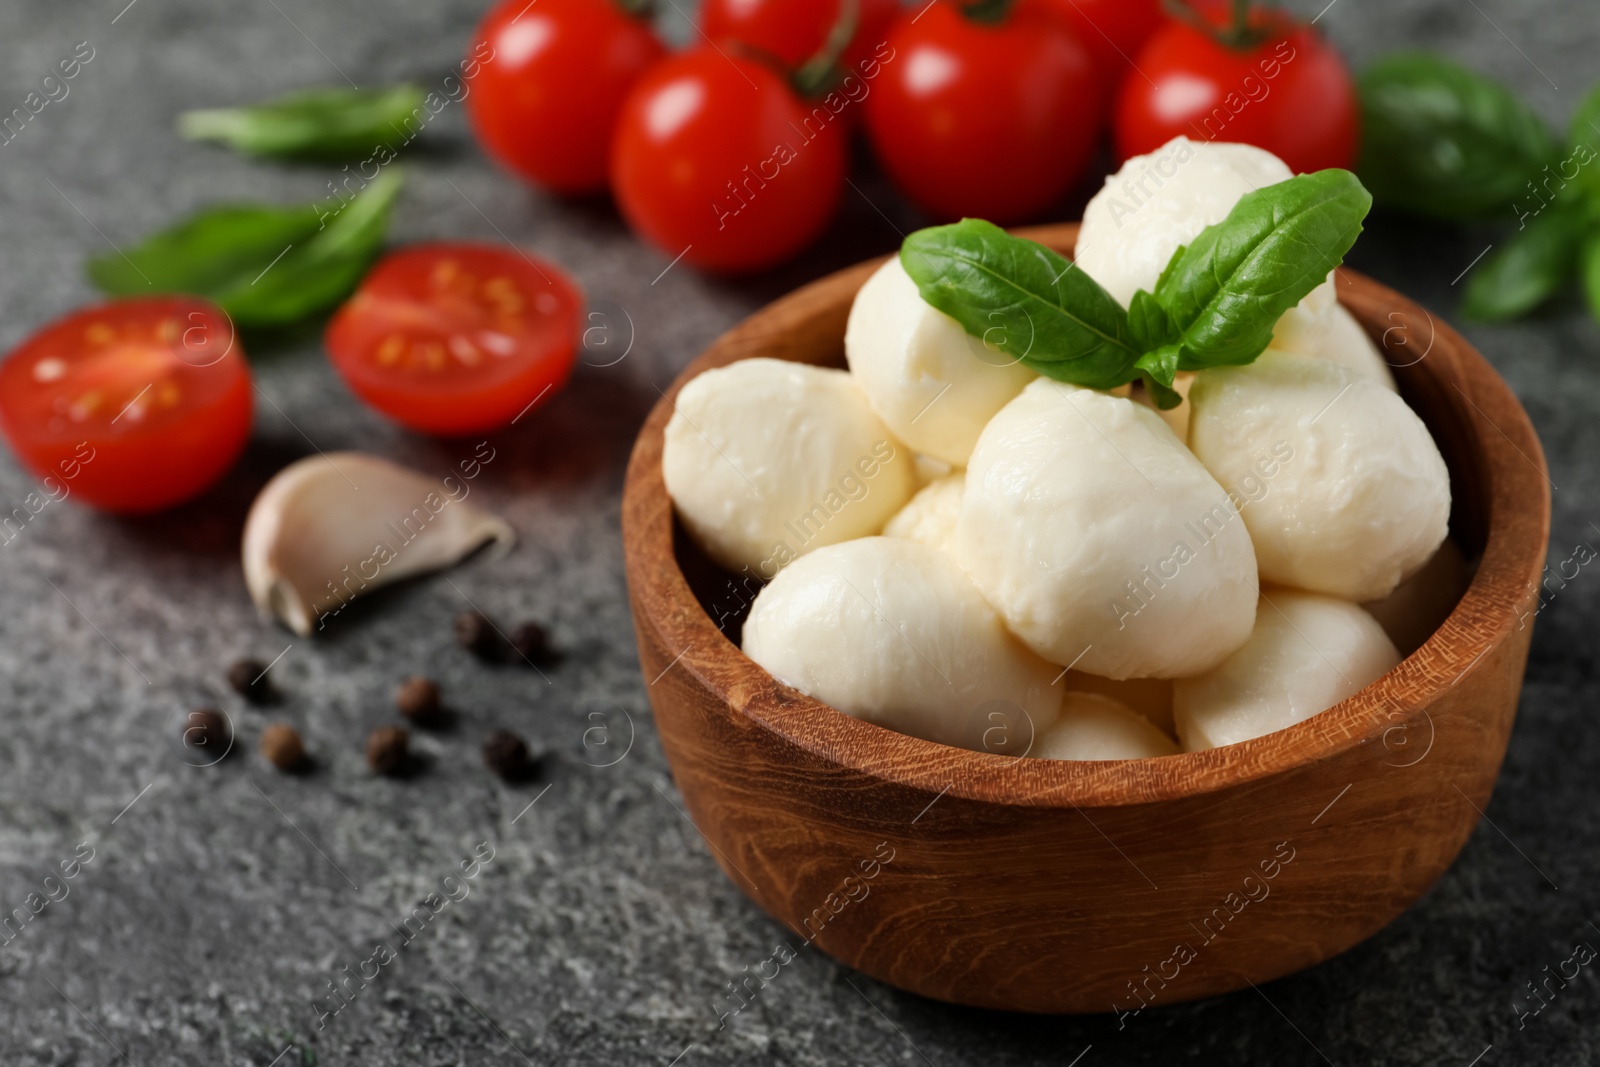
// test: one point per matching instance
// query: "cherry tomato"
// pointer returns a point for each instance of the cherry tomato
(991, 120)
(550, 79)
(719, 161)
(1112, 31)
(1290, 93)
(133, 406)
(457, 338)
(793, 31)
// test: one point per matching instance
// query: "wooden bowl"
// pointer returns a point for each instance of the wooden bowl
(1048, 886)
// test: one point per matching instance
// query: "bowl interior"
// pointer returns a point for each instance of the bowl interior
(1480, 431)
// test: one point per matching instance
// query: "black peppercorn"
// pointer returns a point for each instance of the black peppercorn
(478, 635)
(506, 754)
(281, 745)
(248, 677)
(531, 643)
(418, 699)
(387, 749)
(207, 728)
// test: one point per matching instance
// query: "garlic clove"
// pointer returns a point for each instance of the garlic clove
(329, 527)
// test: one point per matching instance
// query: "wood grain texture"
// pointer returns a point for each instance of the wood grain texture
(1049, 886)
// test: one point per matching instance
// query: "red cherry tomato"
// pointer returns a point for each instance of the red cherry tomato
(1112, 31)
(1290, 94)
(793, 31)
(719, 161)
(550, 79)
(133, 406)
(991, 120)
(457, 338)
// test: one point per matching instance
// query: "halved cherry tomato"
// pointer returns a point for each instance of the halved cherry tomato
(457, 338)
(1288, 92)
(1112, 31)
(718, 161)
(132, 406)
(994, 120)
(794, 31)
(551, 77)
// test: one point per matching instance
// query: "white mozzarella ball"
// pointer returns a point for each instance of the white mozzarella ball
(1160, 201)
(893, 632)
(931, 515)
(767, 460)
(1308, 652)
(1340, 483)
(1150, 697)
(1102, 542)
(1094, 727)
(1344, 342)
(1420, 604)
(934, 384)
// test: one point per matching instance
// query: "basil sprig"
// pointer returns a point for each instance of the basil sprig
(315, 123)
(1443, 141)
(263, 265)
(1214, 305)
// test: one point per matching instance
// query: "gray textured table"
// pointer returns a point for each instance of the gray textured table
(221, 901)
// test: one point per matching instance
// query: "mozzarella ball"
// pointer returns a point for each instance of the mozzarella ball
(1307, 653)
(1420, 604)
(1344, 342)
(1094, 727)
(934, 384)
(893, 632)
(931, 515)
(1160, 201)
(767, 460)
(1150, 697)
(1101, 540)
(1339, 482)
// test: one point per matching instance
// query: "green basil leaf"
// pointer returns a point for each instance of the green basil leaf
(1529, 268)
(1443, 141)
(264, 266)
(205, 253)
(318, 123)
(1226, 289)
(1151, 325)
(1025, 301)
(1582, 165)
(1590, 268)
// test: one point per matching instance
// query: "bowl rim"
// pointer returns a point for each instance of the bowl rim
(1489, 609)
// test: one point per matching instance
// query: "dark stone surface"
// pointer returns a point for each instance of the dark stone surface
(224, 899)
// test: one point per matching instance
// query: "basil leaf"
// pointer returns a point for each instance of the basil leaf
(264, 266)
(1443, 141)
(209, 251)
(1151, 325)
(1528, 269)
(1582, 165)
(1225, 290)
(1590, 266)
(317, 123)
(1025, 301)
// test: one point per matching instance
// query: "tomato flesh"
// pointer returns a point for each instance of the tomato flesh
(1291, 94)
(551, 77)
(720, 163)
(990, 120)
(457, 338)
(133, 406)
